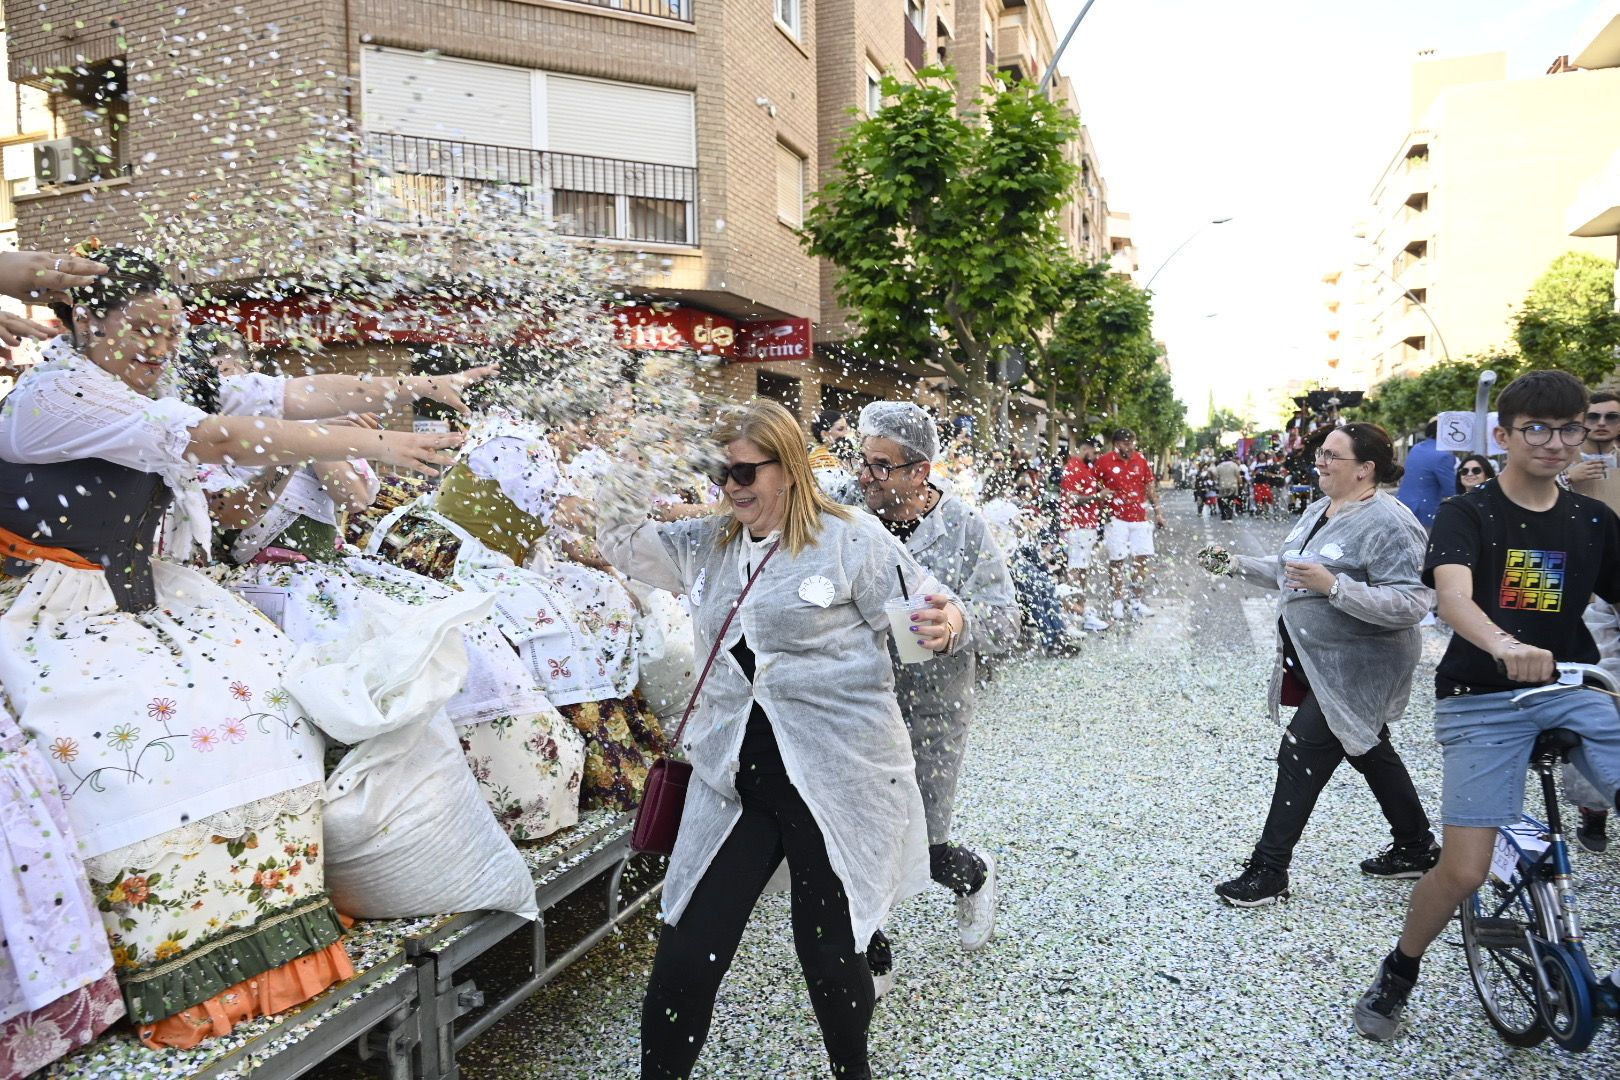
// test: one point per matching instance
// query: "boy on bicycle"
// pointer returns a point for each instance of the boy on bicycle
(1514, 563)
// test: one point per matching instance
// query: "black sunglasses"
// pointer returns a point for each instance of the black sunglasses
(1473, 470)
(1603, 418)
(744, 472)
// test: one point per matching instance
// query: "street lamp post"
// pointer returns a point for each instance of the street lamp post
(1196, 233)
(1406, 294)
(1051, 69)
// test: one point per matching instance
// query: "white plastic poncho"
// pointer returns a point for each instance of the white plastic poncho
(953, 543)
(1358, 650)
(816, 624)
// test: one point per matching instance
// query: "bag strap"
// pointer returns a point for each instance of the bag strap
(719, 639)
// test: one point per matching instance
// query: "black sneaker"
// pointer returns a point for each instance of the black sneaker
(1257, 886)
(1378, 1013)
(1593, 831)
(1402, 862)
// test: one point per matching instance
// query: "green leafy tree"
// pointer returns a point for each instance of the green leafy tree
(944, 232)
(1056, 368)
(1221, 423)
(1403, 405)
(1568, 320)
(1102, 351)
(1153, 411)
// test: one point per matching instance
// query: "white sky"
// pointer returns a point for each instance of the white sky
(1280, 114)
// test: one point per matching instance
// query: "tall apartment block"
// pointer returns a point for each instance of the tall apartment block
(1471, 208)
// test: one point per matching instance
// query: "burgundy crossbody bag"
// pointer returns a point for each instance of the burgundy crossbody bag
(658, 818)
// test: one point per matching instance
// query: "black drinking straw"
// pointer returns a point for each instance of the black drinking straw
(901, 574)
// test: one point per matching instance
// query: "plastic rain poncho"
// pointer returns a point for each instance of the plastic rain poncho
(954, 544)
(816, 624)
(1359, 650)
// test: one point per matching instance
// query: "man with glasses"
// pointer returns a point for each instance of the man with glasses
(1514, 563)
(952, 541)
(1430, 478)
(1597, 475)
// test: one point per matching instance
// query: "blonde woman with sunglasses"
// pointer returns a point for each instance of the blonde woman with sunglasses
(801, 761)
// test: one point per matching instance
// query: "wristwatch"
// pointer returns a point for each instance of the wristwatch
(1333, 592)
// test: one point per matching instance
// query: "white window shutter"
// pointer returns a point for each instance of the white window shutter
(789, 186)
(438, 97)
(617, 120)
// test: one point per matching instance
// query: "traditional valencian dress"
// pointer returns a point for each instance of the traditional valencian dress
(528, 760)
(191, 780)
(573, 627)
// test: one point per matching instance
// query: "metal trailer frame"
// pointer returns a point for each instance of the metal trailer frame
(401, 1013)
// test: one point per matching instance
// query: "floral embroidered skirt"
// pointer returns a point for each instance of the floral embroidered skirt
(57, 990)
(181, 760)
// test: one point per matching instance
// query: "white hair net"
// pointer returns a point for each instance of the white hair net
(905, 423)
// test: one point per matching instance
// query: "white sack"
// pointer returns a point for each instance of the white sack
(407, 832)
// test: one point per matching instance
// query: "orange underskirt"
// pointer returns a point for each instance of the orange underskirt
(277, 990)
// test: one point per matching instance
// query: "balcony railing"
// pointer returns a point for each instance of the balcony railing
(679, 10)
(440, 181)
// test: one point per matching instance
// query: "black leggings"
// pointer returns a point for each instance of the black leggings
(693, 955)
(1309, 754)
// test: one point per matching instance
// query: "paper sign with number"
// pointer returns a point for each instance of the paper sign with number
(1456, 432)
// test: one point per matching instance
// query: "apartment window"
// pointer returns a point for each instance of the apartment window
(874, 91)
(790, 168)
(790, 13)
(610, 160)
(914, 15)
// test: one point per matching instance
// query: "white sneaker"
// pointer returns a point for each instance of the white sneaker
(1093, 623)
(976, 914)
(1118, 610)
(882, 984)
(1073, 631)
(1141, 610)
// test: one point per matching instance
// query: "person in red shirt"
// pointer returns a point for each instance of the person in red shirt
(1131, 487)
(1080, 499)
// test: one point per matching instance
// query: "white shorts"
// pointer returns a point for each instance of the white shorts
(1080, 544)
(1128, 538)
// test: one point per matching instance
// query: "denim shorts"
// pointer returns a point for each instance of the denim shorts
(1487, 740)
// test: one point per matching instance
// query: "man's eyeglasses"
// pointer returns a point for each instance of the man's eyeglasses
(744, 472)
(1603, 418)
(1328, 457)
(1541, 434)
(880, 470)
(1473, 470)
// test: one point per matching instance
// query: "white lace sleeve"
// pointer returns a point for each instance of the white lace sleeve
(72, 413)
(253, 394)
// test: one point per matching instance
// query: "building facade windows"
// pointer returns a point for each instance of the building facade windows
(874, 91)
(603, 159)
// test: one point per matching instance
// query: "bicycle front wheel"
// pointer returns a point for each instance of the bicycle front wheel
(1496, 921)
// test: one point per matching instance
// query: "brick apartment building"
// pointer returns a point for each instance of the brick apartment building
(686, 134)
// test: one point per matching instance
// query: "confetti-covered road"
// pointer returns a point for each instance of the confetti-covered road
(1115, 789)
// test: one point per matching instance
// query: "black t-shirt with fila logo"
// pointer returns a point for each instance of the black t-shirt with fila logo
(1534, 573)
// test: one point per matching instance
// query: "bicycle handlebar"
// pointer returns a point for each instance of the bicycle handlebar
(1569, 676)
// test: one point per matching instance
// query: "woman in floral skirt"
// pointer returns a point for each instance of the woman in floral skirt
(191, 780)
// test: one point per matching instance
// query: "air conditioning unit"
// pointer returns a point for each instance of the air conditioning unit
(64, 161)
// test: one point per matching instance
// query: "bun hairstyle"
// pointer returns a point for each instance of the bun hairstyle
(824, 422)
(1373, 445)
(197, 364)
